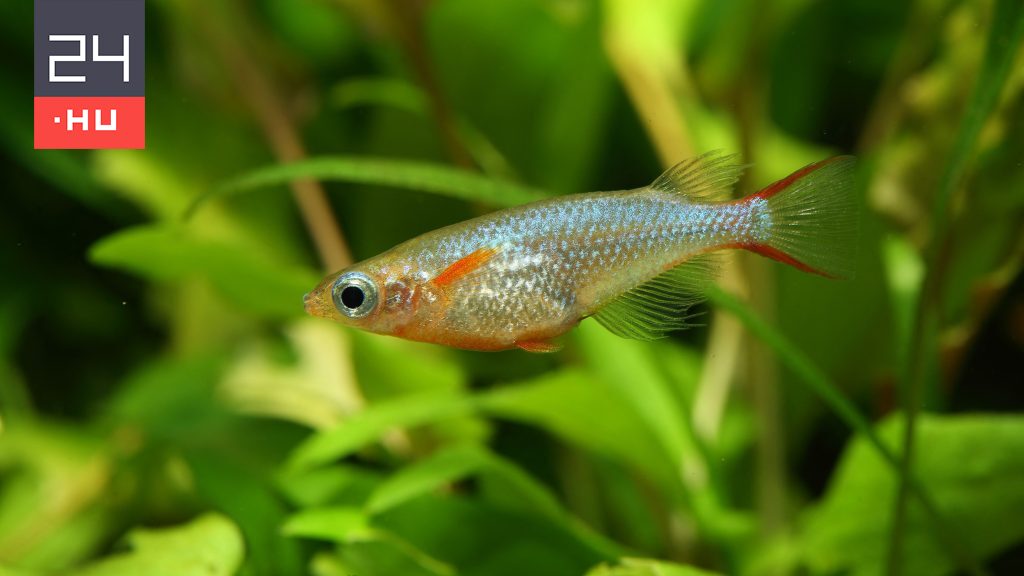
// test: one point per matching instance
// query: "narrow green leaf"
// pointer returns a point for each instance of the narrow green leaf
(1002, 49)
(211, 545)
(406, 174)
(337, 524)
(384, 554)
(367, 426)
(338, 485)
(516, 487)
(427, 475)
(646, 567)
(243, 276)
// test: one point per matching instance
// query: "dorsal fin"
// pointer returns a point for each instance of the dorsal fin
(708, 177)
(659, 306)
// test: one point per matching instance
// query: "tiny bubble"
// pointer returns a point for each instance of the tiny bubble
(124, 302)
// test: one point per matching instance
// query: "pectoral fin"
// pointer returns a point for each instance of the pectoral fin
(659, 306)
(464, 266)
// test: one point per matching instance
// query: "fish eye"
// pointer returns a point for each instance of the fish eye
(355, 294)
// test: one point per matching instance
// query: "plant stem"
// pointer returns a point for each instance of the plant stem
(1005, 34)
(260, 94)
(820, 384)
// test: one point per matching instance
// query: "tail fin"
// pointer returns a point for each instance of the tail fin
(813, 219)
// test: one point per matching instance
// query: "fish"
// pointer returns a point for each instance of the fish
(636, 261)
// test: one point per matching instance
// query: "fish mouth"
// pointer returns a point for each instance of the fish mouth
(313, 303)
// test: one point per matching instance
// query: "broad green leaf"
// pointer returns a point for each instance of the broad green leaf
(317, 389)
(369, 425)
(565, 402)
(210, 545)
(53, 506)
(228, 476)
(405, 174)
(974, 465)
(170, 398)
(645, 567)
(338, 524)
(5, 571)
(629, 369)
(240, 273)
(429, 368)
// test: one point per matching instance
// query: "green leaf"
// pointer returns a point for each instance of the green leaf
(645, 567)
(427, 475)
(974, 465)
(347, 485)
(5, 571)
(1002, 49)
(338, 524)
(629, 368)
(169, 398)
(382, 554)
(402, 95)
(479, 537)
(210, 545)
(240, 273)
(515, 488)
(367, 426)
(410, 175)
(564, 403)
(804, 368)
(54, 505)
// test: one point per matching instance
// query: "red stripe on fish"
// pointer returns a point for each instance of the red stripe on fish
(776, 187)
(779, 256)
(463, 266)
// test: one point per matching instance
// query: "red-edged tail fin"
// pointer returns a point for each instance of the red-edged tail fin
(813, 219)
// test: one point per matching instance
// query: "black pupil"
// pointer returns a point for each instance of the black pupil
(352, 297)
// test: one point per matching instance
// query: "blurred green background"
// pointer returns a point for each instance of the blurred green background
(166, 408)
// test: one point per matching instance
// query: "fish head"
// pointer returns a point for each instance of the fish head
(374, 296)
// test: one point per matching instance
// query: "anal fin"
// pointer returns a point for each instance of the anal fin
(540, 346)
(659, 306)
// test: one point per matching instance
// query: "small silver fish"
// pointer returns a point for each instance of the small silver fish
(635, 260)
